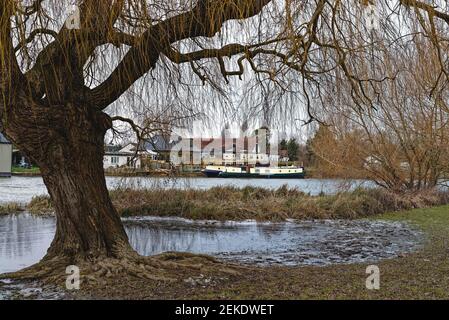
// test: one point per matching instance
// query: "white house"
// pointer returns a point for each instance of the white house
(5, 157)
(121, 157)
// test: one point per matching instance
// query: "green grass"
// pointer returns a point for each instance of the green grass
(34, 170)
(432, 220)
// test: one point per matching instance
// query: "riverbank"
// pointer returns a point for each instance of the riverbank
(419, 275)
(157, 174)
(252, 203)
(311, 173)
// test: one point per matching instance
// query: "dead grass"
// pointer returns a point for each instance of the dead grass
(9, 208)
(232, 203)
(40, 205)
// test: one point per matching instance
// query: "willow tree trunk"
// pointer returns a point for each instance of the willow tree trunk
(69, 150)
(87, 223)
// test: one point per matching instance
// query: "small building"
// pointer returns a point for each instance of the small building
(121, 157)
(5, 157)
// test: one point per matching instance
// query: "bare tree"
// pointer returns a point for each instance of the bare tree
(54, 92)
(399, 135)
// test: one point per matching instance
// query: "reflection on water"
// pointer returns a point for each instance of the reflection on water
(22, 189)
(24, 239)
(151, 235)
(290, 243)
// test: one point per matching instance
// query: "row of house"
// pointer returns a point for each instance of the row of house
(159, 149)
(200, 152)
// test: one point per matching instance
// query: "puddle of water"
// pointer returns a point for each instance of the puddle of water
(290, 243)
(24, 239)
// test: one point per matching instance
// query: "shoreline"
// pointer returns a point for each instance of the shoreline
(129, 174)
(311, 173)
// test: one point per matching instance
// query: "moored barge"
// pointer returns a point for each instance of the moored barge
(255, 172)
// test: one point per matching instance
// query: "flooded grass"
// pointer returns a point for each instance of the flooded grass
(414, 275)
(419, 275)
(26, 238)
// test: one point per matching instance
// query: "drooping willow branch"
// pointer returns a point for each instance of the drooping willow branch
(206, 19)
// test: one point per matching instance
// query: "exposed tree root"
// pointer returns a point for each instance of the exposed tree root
(46, 269)
(164, 269)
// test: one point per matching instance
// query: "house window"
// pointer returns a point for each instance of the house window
(114, 160)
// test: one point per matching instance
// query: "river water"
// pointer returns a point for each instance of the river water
(22, 189)
(24, 239)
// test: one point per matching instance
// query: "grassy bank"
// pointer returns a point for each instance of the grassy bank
(231, 203)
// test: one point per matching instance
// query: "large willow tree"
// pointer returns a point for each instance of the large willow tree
(57, 79)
